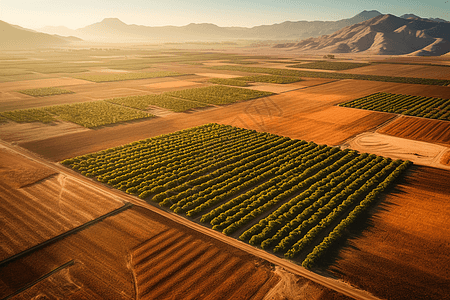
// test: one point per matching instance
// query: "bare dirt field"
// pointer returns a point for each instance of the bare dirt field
(291, 286)
(21, 132)
(421, 129)
(403, 254)
(418, 71)
(445, 159)
(38, 204)
(418, 152)
(41, 83)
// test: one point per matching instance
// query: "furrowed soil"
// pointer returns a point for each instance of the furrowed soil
(421, 129)
(403, 254)
(37, 203)
(306, 113)
(151, 261)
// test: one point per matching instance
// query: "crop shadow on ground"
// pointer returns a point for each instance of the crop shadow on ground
(365, 223)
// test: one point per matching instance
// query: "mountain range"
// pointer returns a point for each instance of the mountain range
(16, 37)
(368, 31)
(385, 35)
(114, 30)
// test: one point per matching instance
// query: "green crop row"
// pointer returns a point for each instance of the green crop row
(231, 177)
(313, 74)
(88, 114)
(126, 76)
(270, 79)
(329, 65)
(228, 81)
(48, 91)
(426, 107)
(218, 94)
(160, 100)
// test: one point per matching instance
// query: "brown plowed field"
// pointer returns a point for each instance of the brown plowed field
(134, 250)
(36, 204)
(418, 71)
(446, 158)
(432, 131)
(403, 254)
(170, 264)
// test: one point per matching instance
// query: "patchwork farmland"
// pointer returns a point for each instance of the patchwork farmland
(224, 176)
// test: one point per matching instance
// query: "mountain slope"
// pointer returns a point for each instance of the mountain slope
(112, 29)
(384, 34)
(15, 37)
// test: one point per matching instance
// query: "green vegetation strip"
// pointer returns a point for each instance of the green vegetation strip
(270, 79)
(126, 76)
(229, 178)
(313, 74)
(228, 81)
(426, 107)
(88, 114)
(330, 65)
(218, 94)
(161, 100)
(33, 283)
(48, 91)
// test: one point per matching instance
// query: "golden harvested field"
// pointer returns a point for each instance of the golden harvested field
(432, 131)
(403, 254)
(419, 71)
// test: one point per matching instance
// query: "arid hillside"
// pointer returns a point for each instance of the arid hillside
(384, 34)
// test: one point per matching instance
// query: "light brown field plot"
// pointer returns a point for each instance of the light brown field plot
(421, 153)
(445, 159)
(171, 84)
(152, 261)
(38, 204)
(403, 254)
(432, 131)
(418, 71)
(41, 83)
(21, 132)
(217, 75)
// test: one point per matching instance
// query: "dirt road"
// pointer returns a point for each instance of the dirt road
(333, 284)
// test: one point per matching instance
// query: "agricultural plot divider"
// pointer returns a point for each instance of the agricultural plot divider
(228, 178)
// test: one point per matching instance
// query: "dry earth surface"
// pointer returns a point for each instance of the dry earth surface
(403, 254)
(419, 71)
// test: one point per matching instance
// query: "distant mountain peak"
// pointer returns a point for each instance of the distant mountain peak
(112, 21)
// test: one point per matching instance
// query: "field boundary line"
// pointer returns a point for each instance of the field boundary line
(65, 234)
(31, 284)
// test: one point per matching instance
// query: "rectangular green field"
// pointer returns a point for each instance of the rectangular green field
(48, 91)
(126, 76)
(218, 94)
(313, 74)
(426, 107)
(161, 100)
(330, 65)
(88, 114)
(287, 196)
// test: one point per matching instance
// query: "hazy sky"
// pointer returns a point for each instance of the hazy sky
(79, 13)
